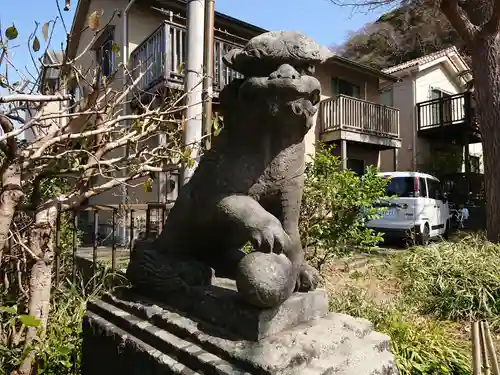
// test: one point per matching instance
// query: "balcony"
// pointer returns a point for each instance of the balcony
(161, 58)
(451, 117)
(357, 120)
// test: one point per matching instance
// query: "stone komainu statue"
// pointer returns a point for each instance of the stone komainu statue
(248, 186)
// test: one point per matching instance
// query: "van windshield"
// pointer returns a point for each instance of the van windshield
(401, 187)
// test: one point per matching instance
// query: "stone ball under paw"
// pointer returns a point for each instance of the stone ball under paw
(265, 280)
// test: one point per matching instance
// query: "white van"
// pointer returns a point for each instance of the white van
(419, 208)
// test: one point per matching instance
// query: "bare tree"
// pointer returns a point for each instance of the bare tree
(82, 141)
(477, 22)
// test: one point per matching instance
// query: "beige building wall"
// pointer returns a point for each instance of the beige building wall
(49, 109)
(142, 23)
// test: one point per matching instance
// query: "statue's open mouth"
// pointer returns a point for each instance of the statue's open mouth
(315, 97)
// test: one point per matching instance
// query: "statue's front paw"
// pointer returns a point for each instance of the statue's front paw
(309, 278)
(269, 237)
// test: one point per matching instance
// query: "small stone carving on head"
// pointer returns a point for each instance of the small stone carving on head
(265, 53)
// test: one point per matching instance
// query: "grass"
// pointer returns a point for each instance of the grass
(453, 280)
(424, 298)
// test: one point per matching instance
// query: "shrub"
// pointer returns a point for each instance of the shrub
(421, 346)
(60, 352)
(335, 206)
(453, 280)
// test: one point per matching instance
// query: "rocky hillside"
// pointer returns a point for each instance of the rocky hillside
(400, 35)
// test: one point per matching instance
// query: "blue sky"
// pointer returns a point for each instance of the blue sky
(326, 23)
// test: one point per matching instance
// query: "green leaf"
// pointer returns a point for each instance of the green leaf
(11, 33)
(187, 153)
(115, 48)
(216, 126)
(29, 320)
(36, 44)
(148, 185)
(63, 350)
(12, 310)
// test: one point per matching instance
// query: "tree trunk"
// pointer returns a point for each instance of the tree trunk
(10, 174)
(486, 69)
(10, 197)
(41, 242)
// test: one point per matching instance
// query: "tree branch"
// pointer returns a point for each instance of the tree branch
(459, 20)
(33, 98)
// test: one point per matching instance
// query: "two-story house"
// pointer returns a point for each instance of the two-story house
(352, 114)
(436, 113)
(439, 129)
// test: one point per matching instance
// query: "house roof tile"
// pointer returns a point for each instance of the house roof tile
(422, 60)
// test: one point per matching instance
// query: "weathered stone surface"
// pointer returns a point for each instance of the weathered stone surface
(264, 53)
(262, 279)
(248, 186)
(220, 305)
(127, 337)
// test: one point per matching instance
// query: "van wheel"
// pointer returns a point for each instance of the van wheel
(424, 237)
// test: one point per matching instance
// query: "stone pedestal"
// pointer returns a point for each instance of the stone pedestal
(208, 330)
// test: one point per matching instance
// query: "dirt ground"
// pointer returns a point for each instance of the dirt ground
(365, 271)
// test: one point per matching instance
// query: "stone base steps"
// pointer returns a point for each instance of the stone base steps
(134, 338)
(165, 352)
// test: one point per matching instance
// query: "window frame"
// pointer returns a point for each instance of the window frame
(337, 81)
(104, 45)
(438, 193)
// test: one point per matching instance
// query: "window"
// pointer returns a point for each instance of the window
(434, 189)
(356, 165)
(422, 187)
(342, 87)
(475, 164)
(105, 55)
(401, 187)
(387, 98)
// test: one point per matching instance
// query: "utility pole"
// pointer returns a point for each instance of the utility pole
(208, 62)
(192, 82)
(125, 109)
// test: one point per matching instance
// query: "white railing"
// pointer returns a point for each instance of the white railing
(163, 58)
(348, 113)
(444, 111)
